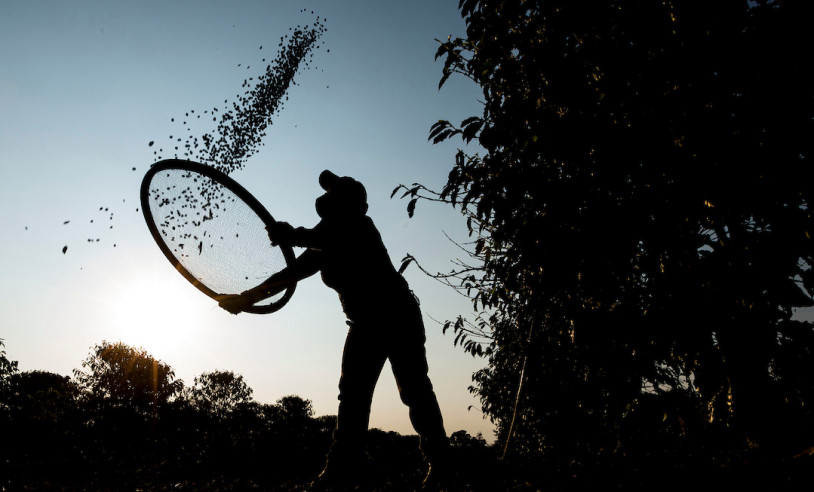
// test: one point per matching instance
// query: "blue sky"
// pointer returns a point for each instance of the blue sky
(84, 86)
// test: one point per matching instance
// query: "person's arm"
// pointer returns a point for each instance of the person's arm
(307, 264)
(283, 232)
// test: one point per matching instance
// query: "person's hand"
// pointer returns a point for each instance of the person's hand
(234, 303)
(280, 232)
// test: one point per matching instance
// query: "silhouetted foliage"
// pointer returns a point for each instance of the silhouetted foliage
(8, 368)
(642, 226)
(219, 393)
(462, 439)
(119, 376)
(60, 434)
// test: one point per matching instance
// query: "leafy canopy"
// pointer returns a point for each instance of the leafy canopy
(219, 392)
(641, 213)
(117, 375)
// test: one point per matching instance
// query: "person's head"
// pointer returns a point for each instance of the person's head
(343, 196)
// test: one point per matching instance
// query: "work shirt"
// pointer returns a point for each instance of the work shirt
(355, 263)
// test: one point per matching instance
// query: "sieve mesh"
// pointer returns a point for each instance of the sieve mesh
(211, 230)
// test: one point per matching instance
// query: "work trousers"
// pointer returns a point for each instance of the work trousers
(399, 337)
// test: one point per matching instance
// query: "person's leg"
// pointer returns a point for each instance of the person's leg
(362, 362)
(408, 359)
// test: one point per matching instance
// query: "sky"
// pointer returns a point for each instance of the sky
(85, 85)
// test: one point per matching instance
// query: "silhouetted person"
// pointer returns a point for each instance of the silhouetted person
(383, 315)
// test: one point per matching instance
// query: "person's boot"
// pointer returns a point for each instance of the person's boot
(333, 478)
(345, 469)
(439, 472)
(439, 477)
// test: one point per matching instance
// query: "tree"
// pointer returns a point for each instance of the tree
(8, 368)
(219, 393)
(295, 409)
(127, 402)
(119, 376)
(462, 439)
(42, 396)
(291, 416)
(45, 424)
(641, 214)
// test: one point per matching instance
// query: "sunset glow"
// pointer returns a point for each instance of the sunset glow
(157, 315)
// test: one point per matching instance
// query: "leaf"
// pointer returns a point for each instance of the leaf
(411, 207)
(479, 246)
(471, 130)
(437, 128)
(442, 48)
(405, 263)
(396, 189)
(470, 120)
(444, 78)
(443, 136)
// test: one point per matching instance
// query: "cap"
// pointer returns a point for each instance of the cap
(327, 179)
(344, 186)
